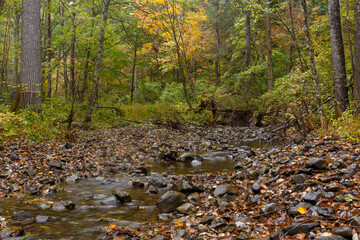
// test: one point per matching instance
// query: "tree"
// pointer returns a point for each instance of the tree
(338, 56)
(99, 55)
(269, 50)
(30, 72)
(357, 53)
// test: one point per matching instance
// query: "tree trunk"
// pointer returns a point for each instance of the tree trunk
(72, 58)
(49, 51)
(310, 51)
(269, 52)
(348, 36)
(5, 54)
(30, 72)
(338, 56)
(16, 48)
(98, 60)
(133, 77)
(217, 44)
(248, 54)
(290, 3)
(357, 52)
(86, 74)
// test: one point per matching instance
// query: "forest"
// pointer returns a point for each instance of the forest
(179, 119)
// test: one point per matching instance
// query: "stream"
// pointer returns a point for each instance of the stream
(92, 198)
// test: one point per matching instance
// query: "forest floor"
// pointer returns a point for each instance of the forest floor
(292, 191)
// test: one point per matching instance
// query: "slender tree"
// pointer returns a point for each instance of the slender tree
(357, 53)
(30, 72)
(338, 56)
(269, 51)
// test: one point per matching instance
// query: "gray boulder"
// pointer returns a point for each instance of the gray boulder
(169, 201)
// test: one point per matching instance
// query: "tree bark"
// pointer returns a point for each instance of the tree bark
(49, 51)
(217, 44)
(348, 36)
(30, 72)
(16, 48)
(338, 56)
(310, 51)
(248, 53)
(269, 52)
(357, 52)
(133, 77)
(99, 55)
(72, 57)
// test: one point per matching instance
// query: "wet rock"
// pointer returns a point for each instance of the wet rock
(218, 223)
(299, 228)
(312, 197)
(158, 182)
(293, 211)
(345, 232)
(166, 217)
(113, 201)
(256, 188)
(14, 157)
(168, 155)
(186, 208)
(72, 179)
(180, 234)
(121, 195)
(190, 187)
(252, 175)
(42, 219)
(59, 206)
(142, 169)
(316, 163)
(206, 219)
(137, 184)
(70, 206)
(169, 201)
(355, 222)
(47, 181)
(55, 164)
(43, 205)
(225, 189)
(99, 196)
(196, 163)
(268, 208)
(21, 215)
(153, 190)
(334, 187)
(186, 157)
(299, 179)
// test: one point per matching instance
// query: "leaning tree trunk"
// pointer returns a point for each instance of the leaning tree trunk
(357, 53)
(269, 52)
(338, 56)
(98, 60)
(30, 72)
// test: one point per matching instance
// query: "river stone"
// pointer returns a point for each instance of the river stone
(21, 215)
(158, 182)
(55, 164)
(252, 175)
(316, 163)
(299, 228)
(5, 234)
(68, 146)
(218, 223)
(14, 157)
(121, 195)
(333, 237)
(110, 201)
(153, 190)
(59, 206)
(43, 205)
(180, 234)
(225, 189)
(42, 219)
(166, 217)
(355, 221)
(312, 197)
(169, 201)
(206, 219)
(186, 208)
(300, 178)
(293, 211)
(268, 208)
(30, 172)
(256, 188)
(344, 232)
(334, 187)
(72, 179)
(190, 187)
(168, 155)
(186, 157)
(137, 184)
(196, 163)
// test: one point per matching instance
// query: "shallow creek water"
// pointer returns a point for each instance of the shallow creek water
(91, 215)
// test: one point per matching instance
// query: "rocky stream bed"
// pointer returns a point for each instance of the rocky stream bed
(189, 183)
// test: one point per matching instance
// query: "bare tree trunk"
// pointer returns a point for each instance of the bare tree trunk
(30, 72)
(248, 53)
(338, 56)
(5, 55)
(98, 60)
(269, 52)
(357, 53)
(49, 51)
(72, 57)
(290, 3)
(314, 72)
(133, 77)
(217, 44)
(86, 74)
(348, 36)
(16, 48)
